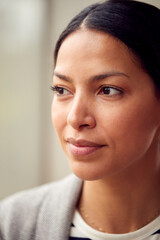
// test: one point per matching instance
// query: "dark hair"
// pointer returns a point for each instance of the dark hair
(134, 23)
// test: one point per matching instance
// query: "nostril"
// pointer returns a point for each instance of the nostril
(83, 126)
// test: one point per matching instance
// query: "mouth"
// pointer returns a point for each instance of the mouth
(82, 147)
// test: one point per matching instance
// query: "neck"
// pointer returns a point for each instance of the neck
(124, 203)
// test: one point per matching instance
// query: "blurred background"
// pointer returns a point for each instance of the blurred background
(30, 154)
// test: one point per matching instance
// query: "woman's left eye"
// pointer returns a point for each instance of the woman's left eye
(110, 91)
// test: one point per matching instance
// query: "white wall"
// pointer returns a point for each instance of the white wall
(21, 49)
(29, 151)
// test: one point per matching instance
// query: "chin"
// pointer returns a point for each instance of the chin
(87, 172)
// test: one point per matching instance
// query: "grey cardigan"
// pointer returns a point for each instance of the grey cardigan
(43, 213)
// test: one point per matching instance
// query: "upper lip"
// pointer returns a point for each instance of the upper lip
(83, 143)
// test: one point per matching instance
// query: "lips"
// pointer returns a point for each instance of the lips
(82, 147)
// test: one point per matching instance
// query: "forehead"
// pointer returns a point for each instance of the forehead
(85, 54)
(90, 47)
(88, 42)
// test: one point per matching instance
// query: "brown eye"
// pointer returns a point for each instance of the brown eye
(110, 91)
(60, 91)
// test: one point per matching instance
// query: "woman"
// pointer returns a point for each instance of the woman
(106, 111)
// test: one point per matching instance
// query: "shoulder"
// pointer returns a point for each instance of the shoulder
(22, 210)
(33, 197)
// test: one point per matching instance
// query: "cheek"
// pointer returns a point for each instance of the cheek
(58, 117)
(131, 126)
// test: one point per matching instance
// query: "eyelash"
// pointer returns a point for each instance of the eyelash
(119, 91)
(110, 88)
(57, 90)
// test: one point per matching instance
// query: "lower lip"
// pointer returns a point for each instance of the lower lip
(82, 150)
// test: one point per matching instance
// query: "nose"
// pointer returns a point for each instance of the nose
(81, 114)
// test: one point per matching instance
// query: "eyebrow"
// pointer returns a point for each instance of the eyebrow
(93, 78)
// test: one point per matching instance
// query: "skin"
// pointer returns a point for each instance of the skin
(122, 172)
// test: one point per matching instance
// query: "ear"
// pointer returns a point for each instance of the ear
(158, 96)
(159, 120)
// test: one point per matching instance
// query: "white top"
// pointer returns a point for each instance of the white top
(81, 230)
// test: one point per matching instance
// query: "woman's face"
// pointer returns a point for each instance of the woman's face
(104, 110)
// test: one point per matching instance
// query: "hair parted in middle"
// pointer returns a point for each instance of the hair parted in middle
(134, 23)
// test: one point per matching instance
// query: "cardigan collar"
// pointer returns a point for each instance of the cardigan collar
(57, 209)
